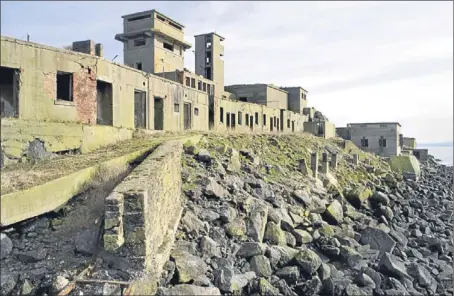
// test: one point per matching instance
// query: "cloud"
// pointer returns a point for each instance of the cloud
(359, 60)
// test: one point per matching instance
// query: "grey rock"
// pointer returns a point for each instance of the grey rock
(8, 282)
(32, 256)
(6, 246)
(188, 266)
(85, 243)
(354, 290)
(375, 276)
(377, 239)
(204, 156)
(27, 288)
(274, 234)
(250, 249)
(281, 254)
(209, 247)
(190, 290)
(390, 264)
(284, 288)
(308, 260)
(223, 276)
(302, 236)
(309, 287)
(334, 212)
(111, 289)
(191, 223)
(227, 214)
(379, 198)
(59, 283)
(324, 271)
(239, 281)
(363, 280)
(336, 285)
(290, 274)
(213, 189)
(302, 196)
(256, 223)
(291, 240)
(261, 266)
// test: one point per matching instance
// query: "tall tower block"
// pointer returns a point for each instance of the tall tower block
(209, 62)
(153, 42)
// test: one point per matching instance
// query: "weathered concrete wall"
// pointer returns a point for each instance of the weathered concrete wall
(296, 99)
(262, 125)
(373, 132)
(276, 97)
(25, 204)
(343, 132)
(262, 94)
(324, 129)
(408, 165)
(410, 142)
(17, 135)
(421, 154)
(143, 211)
(38, 66)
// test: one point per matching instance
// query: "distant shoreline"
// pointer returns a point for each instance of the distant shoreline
(442, 144)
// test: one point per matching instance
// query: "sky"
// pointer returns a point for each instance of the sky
(361, 61)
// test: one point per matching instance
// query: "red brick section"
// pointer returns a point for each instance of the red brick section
(84, 94)
(50, 84)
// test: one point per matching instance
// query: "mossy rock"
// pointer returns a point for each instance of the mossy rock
(326, 230)
(236, 228)
(358, 195)
(274, 234)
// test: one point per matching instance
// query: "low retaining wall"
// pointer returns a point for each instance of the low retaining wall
(29, 203)
(55, 137)
(143, 213)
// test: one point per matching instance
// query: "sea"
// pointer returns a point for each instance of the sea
(444, 153)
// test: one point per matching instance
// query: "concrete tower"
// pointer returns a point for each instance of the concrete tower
(153, 42)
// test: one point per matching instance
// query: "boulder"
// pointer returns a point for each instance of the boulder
(334, 212)
(190, 290)
(250, 249)
(302, 236)
(377, 239)
(266, 289)
(213, 189)
(256, 223)
(192, 223)
(391, 265)
(209, 247)
(236, 228)
(32, 256)
(290, 274)
(204, 156)
(59, 283)
(281, 255)
(274, 234)
(234, 164)
(363, 280)
(6, 246)
(188, 267)
(358, 195)
(27, 288)
(308, 260)
(350, 256)
(309, 287)
(261, 266)
(8, 282)
(227, 214)
(379, 198)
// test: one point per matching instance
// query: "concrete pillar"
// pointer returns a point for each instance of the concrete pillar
(333, 163)
(302, 166)
(355, 159)
(325, 163)
(314, 164)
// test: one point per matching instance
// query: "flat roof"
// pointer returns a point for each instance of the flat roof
(212, 33)
(257, 84)
(375, 123)
(147, 32)
(289, 87)
(151, 12)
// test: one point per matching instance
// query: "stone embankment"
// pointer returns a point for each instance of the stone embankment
(255, 222)
(253, 226)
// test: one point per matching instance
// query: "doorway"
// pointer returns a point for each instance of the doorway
(158, 113)
(9, 92)
(187, 116)
(140, 109)
(104, 114)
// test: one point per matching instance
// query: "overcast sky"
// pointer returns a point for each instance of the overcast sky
(360, 61)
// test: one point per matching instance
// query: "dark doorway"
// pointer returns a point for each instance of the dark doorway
(158, 113)
(233, 120)
(187, 116)
(211, 112)
(251, 122)
(271, 123)
(281, 120)
(9, 92)
(140, 109)
(64, 86)
(227, 115)
(293, 126)
(104, 107)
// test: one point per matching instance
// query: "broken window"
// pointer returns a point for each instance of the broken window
(288, 123)
(275, 121)
(176, 108)
(168, 46)
(9, 92)
(208, 58)
(193, 82)
(243, 99)
(221, 114)
(199, 85)
(204, 87)
(208, 44)
(208, 88)
(160, 18)
(251, 121)
(293, 126)
(228, 119)
(271, 123)
(364, 142)
(264, 119)
(138, 18)
(188, 81)
(175, 26)
(208, 73)
(196, 111)
(64, 86)
(139, 41)
(139, 66)
(240, 118)
(382, 142)
(256, 118)
(233, 120)
(246, 116)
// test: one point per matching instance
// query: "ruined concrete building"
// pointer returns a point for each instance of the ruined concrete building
(152, 90)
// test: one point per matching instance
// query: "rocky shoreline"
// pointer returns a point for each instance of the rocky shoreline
(254, 224)
(241, 235)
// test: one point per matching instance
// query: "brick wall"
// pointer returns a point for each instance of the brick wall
(84, 93)
(143, 211)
